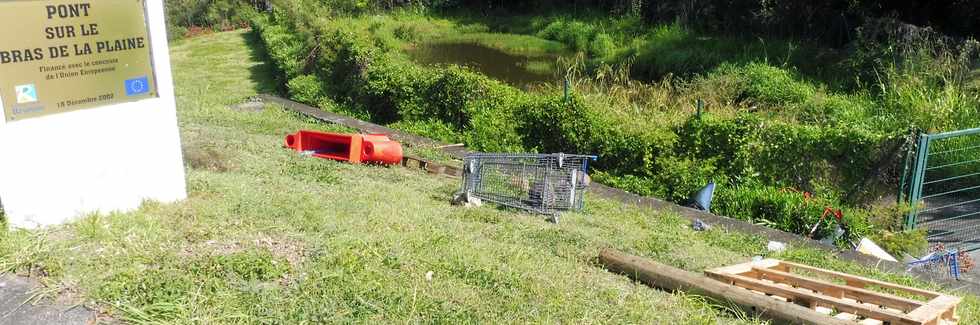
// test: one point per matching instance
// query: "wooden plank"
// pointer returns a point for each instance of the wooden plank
(672, 279)
(870, 321)
(895, 310)
(939, 307)
(783, 299)
(434, 168)
(746, 267)
(734, 269)
(861, 282)
(840, 304)
(431, 167)
(454, 171)
(840, 291)
(411, 162)
(846, 316)
(851, 299)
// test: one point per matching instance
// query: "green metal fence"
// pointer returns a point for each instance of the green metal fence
(945, 185)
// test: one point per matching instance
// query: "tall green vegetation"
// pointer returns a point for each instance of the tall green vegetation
(184, 15)
(835, 21)
(769, 132)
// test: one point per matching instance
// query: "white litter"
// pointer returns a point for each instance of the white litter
(473, 202)
(466, 200)
(775, 246)
(869, 247)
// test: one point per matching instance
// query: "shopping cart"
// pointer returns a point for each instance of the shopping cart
(540, 183)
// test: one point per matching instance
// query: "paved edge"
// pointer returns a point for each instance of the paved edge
(16, 306)
(637, 200)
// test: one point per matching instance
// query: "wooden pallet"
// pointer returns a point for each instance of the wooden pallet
(431, 167)
(839, 295)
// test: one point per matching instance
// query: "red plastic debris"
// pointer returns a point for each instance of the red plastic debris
(838, 214)
(353, 148)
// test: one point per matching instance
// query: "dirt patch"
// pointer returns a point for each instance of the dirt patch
(207, 157)
(252, 105)
(196, 31)
(294, 252)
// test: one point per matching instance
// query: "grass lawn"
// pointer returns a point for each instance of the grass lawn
(267, 236)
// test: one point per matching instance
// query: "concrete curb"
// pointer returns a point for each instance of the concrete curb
(640, 201)
(16, 306)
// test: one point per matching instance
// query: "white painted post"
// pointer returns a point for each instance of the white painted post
(58, 167)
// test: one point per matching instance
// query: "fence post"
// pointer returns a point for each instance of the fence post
(700, 106)
(918, 177)
(905, 170)
(568, 93)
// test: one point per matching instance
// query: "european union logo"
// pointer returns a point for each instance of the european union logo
(137, 86)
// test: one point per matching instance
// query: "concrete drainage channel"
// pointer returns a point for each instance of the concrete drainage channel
(458, 152)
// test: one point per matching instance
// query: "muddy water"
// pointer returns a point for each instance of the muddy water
(512, 69)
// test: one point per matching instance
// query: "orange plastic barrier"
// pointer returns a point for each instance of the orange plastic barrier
(354, 148)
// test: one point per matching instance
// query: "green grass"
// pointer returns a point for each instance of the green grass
(405, 29)
(974, 79)
(267, 236)
(516, 44)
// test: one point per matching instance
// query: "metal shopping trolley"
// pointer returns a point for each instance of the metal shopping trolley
(541, 183)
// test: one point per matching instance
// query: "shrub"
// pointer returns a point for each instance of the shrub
(494, 131)
(306, 89)
(919, 77)
(574, 34)
(783, 209)
(679, 178)
(630, 183)
(175, 32)
(553, 124)
(211, 14)
(405, 32)
(768, 85)
(281, 44)
(912, 99)
(602, 46)
(496, 119)
(389, 92)
(432, 128)
(889, 221)
(902, 243)
(452, 92)
(783, 154)
(843, 110)
(672, 49)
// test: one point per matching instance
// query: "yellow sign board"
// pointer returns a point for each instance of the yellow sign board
(60, 56)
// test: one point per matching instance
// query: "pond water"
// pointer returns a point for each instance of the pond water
(516, 70)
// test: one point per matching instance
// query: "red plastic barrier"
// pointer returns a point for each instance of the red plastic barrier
(354, 148)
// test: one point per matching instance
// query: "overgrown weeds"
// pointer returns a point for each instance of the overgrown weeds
(286, 239)
(767, 125)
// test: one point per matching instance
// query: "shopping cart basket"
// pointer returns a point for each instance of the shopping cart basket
(540, 183)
